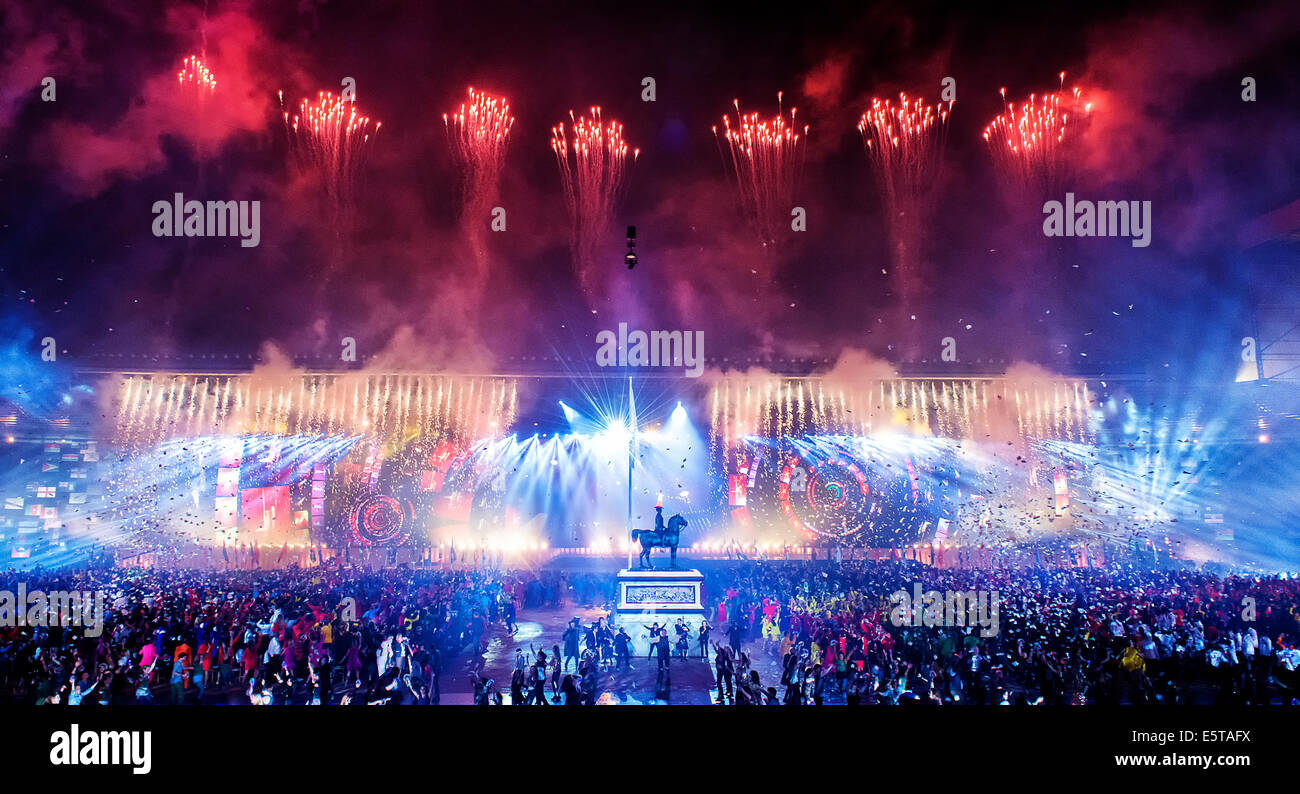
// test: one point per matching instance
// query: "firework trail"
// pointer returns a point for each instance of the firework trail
(479, 133)
(904, 143)
(1029, 141)
(766, 159)
(196, 89)
(194, 74)
(1031, 144)
(592, 157)
(328, 142)
(328, 138)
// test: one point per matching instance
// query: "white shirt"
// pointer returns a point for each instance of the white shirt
(272, 649)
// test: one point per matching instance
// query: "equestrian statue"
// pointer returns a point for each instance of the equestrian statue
(664, 537)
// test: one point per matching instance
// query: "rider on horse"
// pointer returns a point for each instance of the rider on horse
(664, 536)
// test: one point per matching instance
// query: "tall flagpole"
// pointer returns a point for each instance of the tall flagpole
(631, 439)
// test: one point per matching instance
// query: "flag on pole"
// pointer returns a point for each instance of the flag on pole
(631, 464)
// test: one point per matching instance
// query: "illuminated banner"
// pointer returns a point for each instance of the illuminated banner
(266, 509)
(227, 482)
(227, 508)
(737, 490)
(431, 480)
(442, 455)
(318, 478)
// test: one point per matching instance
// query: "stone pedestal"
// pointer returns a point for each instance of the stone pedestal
(646, 597)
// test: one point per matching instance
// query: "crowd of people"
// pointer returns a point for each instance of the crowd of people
(329, 634)
(1119, 634)
(337, 634)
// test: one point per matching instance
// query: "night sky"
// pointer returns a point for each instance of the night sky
(79, 175)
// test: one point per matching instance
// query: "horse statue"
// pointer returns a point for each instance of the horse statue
(667, 539)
